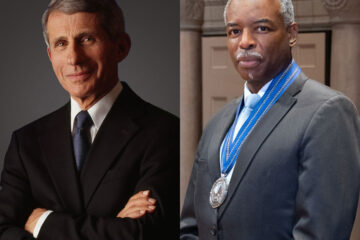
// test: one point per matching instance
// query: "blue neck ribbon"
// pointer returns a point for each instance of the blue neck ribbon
(231, 149)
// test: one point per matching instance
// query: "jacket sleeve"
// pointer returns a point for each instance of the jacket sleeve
(188, 222)
(16, 202)
(329, 173)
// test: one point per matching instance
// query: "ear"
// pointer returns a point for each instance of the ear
(123, 45)
(49, 53)
(292, 33)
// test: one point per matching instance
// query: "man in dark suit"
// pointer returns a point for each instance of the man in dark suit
(283, 161)
(105, 165)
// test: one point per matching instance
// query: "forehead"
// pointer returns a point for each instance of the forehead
(253, 10)
(60, 23)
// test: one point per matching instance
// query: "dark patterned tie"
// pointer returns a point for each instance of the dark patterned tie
(82, 137)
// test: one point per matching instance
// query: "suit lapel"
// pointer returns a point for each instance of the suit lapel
(227, 119)
(56, 145)
(259, 134)
(115, 132)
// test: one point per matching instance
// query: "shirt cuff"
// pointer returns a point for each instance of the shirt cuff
(40, 222)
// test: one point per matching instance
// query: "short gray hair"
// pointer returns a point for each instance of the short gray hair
(111, 16)
(287, 11)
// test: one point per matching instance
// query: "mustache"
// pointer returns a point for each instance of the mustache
(246, 53)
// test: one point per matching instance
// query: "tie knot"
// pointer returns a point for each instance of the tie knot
(251, 100)
(83, 120)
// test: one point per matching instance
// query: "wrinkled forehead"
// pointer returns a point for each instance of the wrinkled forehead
(253, 10)
(58, 17)
(64, 24)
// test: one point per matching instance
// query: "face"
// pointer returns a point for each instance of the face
(83, 57)
(258, 40)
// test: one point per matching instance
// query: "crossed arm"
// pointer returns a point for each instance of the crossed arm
(19, 213)
(19, 196)
(137, 206)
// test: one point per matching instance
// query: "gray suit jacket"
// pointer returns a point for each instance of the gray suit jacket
(296, 177)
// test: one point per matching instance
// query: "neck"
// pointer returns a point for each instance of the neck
(87, 102)
(255, 85)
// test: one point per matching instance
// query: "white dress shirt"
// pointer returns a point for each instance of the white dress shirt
(97, 112)
(239, 123)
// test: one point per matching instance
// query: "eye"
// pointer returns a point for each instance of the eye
(262, 29)
(60, 44)
(87, 39)
(234, 32)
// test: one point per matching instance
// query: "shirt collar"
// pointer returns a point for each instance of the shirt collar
(100, 109)
(261, 92)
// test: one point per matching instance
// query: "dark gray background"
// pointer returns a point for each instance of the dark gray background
(29, 88)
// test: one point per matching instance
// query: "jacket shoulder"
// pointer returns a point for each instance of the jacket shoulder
(318, 94)
(39, 125)
(143, 112)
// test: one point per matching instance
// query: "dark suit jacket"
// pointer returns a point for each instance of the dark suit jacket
(136, 148)
(296, 177)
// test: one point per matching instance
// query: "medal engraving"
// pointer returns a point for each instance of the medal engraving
(218, 192)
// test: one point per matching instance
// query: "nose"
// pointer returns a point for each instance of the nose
(74, 55)
(247, 41)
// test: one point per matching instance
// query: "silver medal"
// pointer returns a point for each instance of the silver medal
(218, 192)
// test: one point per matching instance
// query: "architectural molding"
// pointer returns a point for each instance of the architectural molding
(334, 5)
(343, 11)
(214, 17)
(194, 9)
(191, 14)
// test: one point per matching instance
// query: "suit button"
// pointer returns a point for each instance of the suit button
(213, 230)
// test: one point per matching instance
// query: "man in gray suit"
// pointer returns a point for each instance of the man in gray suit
(283, 161)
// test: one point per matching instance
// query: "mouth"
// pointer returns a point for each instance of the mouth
(249, 62)
(79, 76)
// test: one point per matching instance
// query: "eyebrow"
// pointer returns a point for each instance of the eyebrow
(78, 36)
(86, 33)
(232, 24)
(263, 20)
